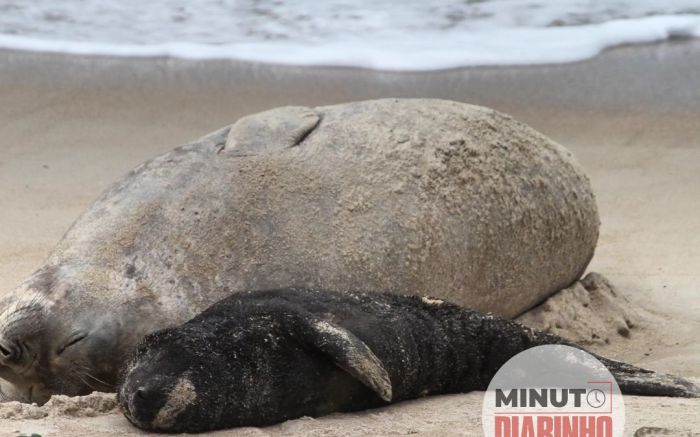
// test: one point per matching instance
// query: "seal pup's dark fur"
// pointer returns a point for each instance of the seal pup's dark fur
(259, 358)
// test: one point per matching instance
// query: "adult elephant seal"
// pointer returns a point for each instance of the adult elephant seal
(263, 357)
(393, 195)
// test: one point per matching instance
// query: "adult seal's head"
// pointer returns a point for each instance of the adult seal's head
(58, 334)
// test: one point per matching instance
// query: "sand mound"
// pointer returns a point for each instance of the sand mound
(91, 405)
(591, 311)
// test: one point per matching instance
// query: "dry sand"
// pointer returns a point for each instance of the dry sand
(70, 126)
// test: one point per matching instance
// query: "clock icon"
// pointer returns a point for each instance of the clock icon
(595, 398)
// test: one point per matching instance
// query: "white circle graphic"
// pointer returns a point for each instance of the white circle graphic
(552, 391)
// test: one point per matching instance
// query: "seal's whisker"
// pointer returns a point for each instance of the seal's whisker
(86, 372)
(106, 384)
(82, 379)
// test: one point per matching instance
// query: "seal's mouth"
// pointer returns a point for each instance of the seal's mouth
(125, 405)
(36, 394)
(155, 402)
(29, 366)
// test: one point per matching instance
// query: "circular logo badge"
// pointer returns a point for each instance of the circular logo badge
(553, 391)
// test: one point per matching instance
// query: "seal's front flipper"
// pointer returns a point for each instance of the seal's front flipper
(347, 351)
(642, 382)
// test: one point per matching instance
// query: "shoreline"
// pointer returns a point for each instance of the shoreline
(547, 85)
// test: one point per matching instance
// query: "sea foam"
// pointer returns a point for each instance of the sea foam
(379, 34)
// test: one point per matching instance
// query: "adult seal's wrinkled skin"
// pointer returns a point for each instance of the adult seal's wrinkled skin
(391, 195)
(259, 358)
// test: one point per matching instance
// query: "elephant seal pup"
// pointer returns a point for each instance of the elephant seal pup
(258, 358)
(392, 195)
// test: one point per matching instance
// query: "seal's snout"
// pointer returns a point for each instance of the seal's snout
(144, 395)
(20, 321)
(148, 397)
(157, 404)
(14, 352)
(143, 402)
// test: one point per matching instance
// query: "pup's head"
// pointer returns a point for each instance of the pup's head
(158, 389)
(199, 377)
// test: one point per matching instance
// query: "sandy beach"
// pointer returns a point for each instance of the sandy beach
(72, 125)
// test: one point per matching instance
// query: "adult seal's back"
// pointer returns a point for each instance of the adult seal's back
(392, 195)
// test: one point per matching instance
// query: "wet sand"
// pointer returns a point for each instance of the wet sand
(70, 126)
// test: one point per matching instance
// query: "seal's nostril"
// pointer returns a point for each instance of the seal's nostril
(141, 393)
(6, 351)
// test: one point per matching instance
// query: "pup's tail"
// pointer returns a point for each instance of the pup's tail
(642, 382)
(503, 339)
(632, 380)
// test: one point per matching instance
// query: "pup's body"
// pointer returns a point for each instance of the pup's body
(259, 358)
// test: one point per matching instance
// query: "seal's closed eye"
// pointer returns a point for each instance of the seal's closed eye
(72, 340)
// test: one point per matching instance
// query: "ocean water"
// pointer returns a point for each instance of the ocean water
(380, 34)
